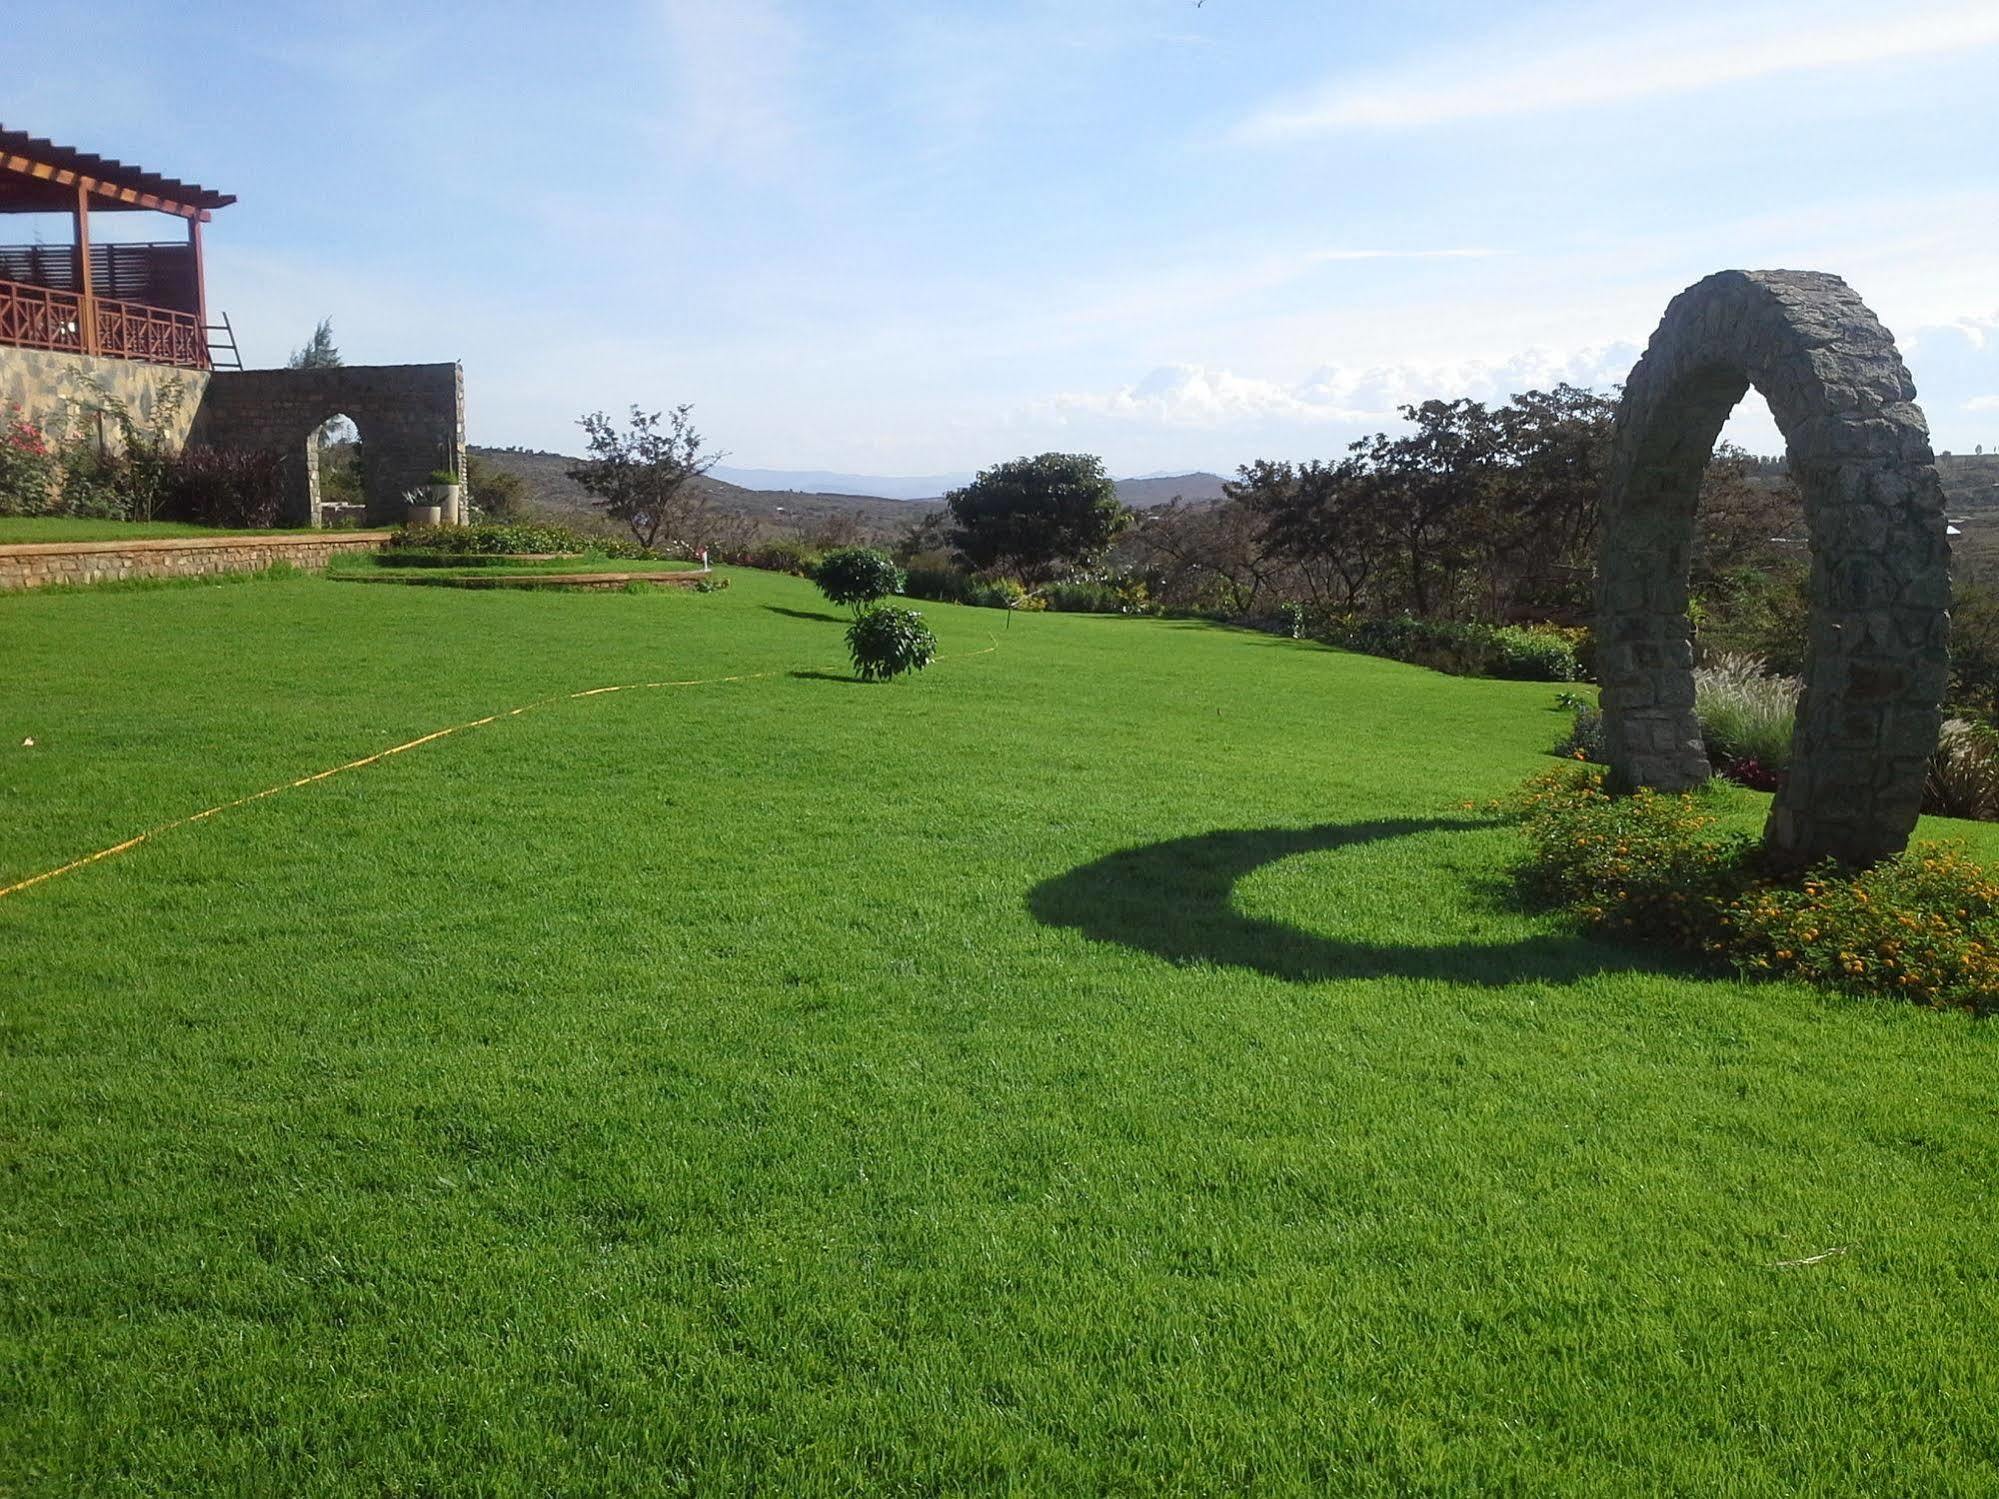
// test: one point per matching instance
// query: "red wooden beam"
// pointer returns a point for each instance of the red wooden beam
(42, 171)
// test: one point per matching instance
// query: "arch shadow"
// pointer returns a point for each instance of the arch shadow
(1173, 900)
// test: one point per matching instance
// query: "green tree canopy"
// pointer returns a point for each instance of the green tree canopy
(644, 475)
(319, 352)
(1032, 515)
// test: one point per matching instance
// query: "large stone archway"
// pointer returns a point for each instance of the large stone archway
(411, 418)
(1876, 663)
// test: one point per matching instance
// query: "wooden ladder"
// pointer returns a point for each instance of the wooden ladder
(222, 351)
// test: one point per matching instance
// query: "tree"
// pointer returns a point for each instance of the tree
(340, 479)
(1430, 486)
(857, 576)
(1205, 556)
(1324, 519)
(319, 352)
(497, 493)
(1555, 448)
(643, 476)
(1033, 515)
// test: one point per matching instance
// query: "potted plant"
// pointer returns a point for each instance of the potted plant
(422, 512)
(447, 494)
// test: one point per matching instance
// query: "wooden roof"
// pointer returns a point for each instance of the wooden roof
(38, 176)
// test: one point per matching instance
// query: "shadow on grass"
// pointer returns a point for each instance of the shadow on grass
(813, 614)
(826, 676)
(1173, 900)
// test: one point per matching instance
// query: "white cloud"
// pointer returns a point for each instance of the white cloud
(1982, 403)
(736, 72)
(1614, 69)
(1195, 397)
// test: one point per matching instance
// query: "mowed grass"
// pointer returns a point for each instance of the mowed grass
(1107, 1063)
(56, 528)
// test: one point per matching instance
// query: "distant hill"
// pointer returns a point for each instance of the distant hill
(1163, 489)
(552, 490)
(1140, 493)
(816, 481)
(807, 510)
(1971, 483)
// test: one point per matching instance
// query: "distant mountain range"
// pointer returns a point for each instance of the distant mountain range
(884, 506)
(1142, 491)
(817, 481)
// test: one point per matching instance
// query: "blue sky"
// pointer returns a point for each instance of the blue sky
(905, 237)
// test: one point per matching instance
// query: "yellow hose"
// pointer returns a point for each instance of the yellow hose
(396, 749)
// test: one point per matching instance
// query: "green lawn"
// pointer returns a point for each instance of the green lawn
(378, 567)
(1107, 1063)
(50, 528)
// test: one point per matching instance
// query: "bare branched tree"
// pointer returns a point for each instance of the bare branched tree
(644, 475)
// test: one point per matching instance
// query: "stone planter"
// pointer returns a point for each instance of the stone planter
(450, 502)
(424, 515)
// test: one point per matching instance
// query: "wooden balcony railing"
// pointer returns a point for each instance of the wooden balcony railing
(39, 317)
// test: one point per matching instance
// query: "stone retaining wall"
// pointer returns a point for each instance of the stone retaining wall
(35, 564)
(66, 393)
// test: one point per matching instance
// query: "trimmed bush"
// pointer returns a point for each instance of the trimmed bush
(1111, 594)
(857, 575)
(1522, 653)
(783, 554)
(1004, 593)
(943, 585)
(1537, 653)
(1922, 926)
(886, 641)
(508, 539)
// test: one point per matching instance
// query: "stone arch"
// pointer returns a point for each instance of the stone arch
(304, 494)
(1876, 662)
(411, 418)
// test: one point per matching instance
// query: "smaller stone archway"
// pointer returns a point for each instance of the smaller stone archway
(411, 418)
(1876, 661)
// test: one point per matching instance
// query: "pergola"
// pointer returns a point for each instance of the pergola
(123, 301)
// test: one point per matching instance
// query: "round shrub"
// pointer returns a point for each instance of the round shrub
(857, 575)
(886, 642)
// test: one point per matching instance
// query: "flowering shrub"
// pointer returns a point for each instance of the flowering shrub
(1925, 925)
(1656, 868)
(28, 466)
(1751, 772)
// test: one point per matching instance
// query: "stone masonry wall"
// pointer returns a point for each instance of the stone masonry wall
(61, 392)
(38, 564)
(1876, 661)
(411, 418)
